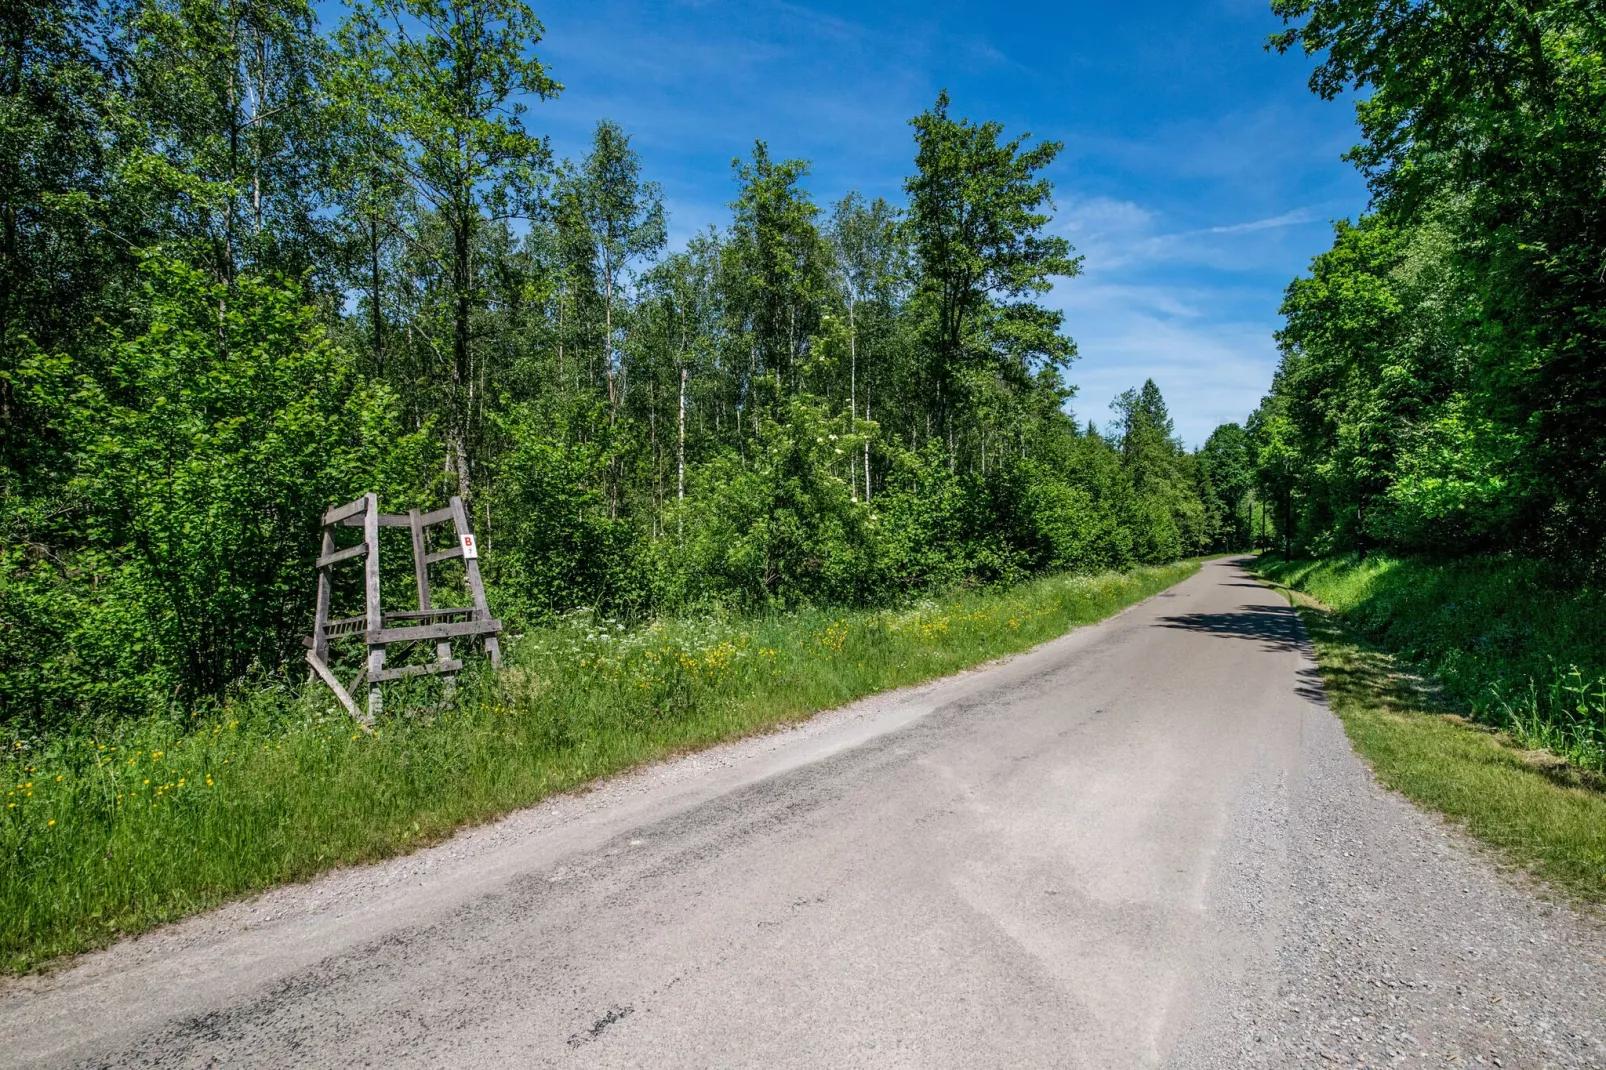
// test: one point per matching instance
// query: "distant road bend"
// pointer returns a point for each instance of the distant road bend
(1145, 844)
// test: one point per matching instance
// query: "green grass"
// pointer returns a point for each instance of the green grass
(1538, 811)
(110, 836)
(1510, 648)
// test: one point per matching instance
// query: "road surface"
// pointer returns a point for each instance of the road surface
(1145, 844)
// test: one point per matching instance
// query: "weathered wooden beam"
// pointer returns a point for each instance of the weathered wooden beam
(328, 677)
(443, 555)
(379, 637)
(420, 572)
(443, 649)
(342, 555)
(319, 640)
(476, 587)
(437, 516)
(420, 614)
(337, 513)
(427, 669)
(386, 520)
(376, 617)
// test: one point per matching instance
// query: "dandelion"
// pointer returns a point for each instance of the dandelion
(52, 821)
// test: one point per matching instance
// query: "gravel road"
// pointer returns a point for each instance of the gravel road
(1146, 844)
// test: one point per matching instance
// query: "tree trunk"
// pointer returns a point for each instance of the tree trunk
(373, 269)
(867, 447)
(460, 348)
(680, 491)
(607, 346)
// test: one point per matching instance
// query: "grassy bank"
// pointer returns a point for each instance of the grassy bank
(1540, 811)
(1510, 649)
(107, 836)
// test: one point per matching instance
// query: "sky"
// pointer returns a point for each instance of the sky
(1199, 174)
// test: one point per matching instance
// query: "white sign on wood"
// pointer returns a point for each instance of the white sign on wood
(470, 549)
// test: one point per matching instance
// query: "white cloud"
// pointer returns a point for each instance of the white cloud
(1143, 310)
(1287, 219)
(1210, 373)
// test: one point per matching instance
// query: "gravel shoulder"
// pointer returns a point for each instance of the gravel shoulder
(1147, 843)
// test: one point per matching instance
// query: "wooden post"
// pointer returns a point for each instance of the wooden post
(320, 641)
(376, 618)
(476, 587)
(415, 521)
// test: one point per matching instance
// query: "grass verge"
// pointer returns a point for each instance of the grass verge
(1510, 647)
(103, 837)
(1538, 811)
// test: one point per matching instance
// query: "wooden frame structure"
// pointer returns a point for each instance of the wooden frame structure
(380, 630)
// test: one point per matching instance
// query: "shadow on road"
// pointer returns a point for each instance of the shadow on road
(1310, 686)
(1277, 627)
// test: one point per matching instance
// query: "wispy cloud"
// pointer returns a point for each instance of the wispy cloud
(1145, 309)
(1287, 219)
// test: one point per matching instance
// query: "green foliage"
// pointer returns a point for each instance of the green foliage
(203, 447)
(1164, 482)
(556, 548)
(1510, 645)
(1227, 484)
(780, 530)
(976, 219)
(250, 268)
(1442, 370)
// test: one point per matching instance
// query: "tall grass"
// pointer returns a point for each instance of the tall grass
(113, 833)
(1508, 645)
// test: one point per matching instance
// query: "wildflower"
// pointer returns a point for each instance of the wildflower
(52, 821)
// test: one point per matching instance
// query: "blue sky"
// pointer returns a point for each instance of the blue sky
(1199, 173)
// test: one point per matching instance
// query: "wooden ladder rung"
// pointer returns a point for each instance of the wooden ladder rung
(443, 555)
(345, 626)
(430, 668)
(337, 513)
(424, 614)
(343, 555)
(434, 631)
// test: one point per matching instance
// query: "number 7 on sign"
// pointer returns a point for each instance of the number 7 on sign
(471, 550)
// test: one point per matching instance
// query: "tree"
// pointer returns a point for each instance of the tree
(976, 216)
(445, 77)
(1154, 461)
(776, 266)
(1490, 119)
(626, 220)
(867, 242)
(1227, 466)
(225, 130)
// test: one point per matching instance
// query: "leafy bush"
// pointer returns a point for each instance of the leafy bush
(203, 448)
